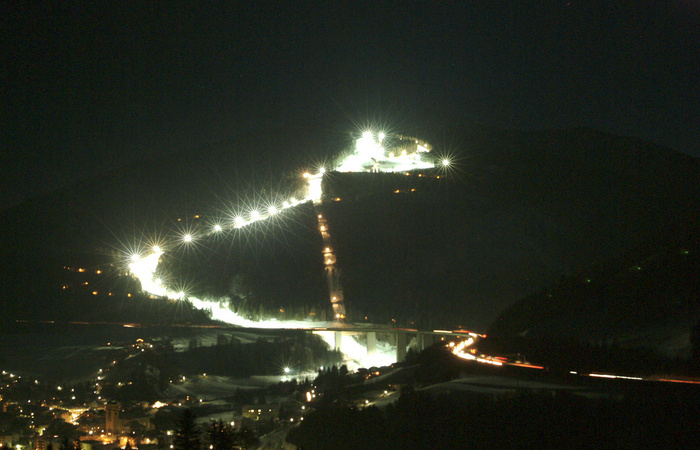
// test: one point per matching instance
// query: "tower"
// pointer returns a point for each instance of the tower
(112, 424)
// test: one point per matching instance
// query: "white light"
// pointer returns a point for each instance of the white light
(217, 227)
(254, 214)
(367, 135)
(187, 238)
(322, 170)
(445, 162)
(286, 370)
(285, 204)
(272, 210)
(156, 249)
(135, 257)
(239, 221)
(381, 137)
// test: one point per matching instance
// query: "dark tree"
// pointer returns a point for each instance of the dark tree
(187, 437)
(221, 436)
(246, 438)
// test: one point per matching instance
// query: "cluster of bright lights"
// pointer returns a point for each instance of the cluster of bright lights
(370, 155)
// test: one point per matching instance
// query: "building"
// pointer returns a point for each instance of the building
(112, 422)
(261, 412)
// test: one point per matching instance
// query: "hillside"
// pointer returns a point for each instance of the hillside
(518, 211)
(645, 299)
(521, 211)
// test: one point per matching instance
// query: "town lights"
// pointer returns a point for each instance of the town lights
(254, 214)
(217, 227)
(445, 162)
(187, 238)
(272, 210)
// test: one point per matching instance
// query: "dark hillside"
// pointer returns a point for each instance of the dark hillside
(515, 212)
(520, 211)
(647, 298)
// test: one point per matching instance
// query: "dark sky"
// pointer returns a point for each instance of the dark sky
(91, 85)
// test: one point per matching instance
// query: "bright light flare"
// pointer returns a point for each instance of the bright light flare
(217, 228)
(187, 238)
(272, 210)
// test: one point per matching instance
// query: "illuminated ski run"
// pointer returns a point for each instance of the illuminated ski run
(369, 155)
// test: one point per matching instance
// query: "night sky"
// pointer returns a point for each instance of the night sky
(86, 86)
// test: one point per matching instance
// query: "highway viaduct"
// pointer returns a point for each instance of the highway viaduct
(401, 336)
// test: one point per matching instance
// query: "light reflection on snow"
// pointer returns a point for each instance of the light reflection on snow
(369, 155)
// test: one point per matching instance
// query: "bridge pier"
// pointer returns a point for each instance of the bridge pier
(371, 343)
(338, 341)
(400, 346)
